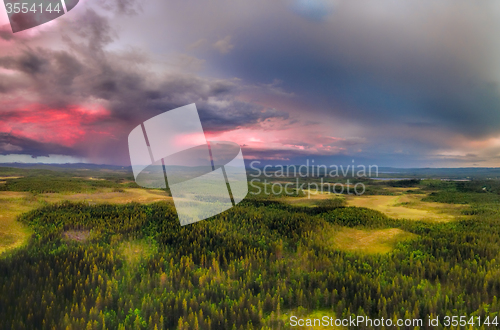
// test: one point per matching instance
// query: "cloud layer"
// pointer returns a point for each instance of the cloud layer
(411, 83)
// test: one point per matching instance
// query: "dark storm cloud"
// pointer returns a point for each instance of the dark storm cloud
(409, 76)
(84, 72)
(379, 61)
(87, 70)
(238, 115)
(28, 63)
(95, 33)
(10, 144)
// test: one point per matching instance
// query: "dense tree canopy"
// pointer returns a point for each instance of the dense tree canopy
(243, 269)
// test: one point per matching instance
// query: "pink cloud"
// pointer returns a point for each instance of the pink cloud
(61, 126)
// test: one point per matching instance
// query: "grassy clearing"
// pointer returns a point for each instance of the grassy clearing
(9, 177)
(109, 195)
(76, 235)
(407, 206)
(312, 198)
(13, 234)
(369, 241)
(135, 251)
(363, 241)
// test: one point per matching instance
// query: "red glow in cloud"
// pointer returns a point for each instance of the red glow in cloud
(283, 144)
(185, 141)
(61, 126)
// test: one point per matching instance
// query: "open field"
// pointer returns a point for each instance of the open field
(407, 206)
(360, 240)
(135, 251)
(397, 203)
(13, 234)
(369, 241)
(76, 235)
(107, 195)
(311, 199)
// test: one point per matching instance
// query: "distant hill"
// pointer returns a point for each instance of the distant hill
(444, 173)
(74, 166)
(383, 172)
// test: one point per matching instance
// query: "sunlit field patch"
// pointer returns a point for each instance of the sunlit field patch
(76, 235)
(135, 251)
(110, 195)
(369, 241)
(406, 206)
(13, 234)
(312, 198)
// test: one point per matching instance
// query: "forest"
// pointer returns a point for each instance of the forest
(132, 266)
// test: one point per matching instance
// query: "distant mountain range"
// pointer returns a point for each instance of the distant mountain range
(75, 166)
(383, 172)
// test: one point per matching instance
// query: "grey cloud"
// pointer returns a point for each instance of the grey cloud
(28, 62)
(84, 71)
(409, 75)
(6, 32)
(224, 45)
(373, 62)
(237, 115)
(122, 7)
(95, 33)
(10, 144)
(7, 147)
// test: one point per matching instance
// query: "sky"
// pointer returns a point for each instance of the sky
(411, 83)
